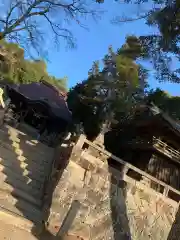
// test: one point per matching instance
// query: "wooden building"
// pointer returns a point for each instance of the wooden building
(41, 106)
(151, 142)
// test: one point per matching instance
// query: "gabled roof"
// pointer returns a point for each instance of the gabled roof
(148, 112)
(46, 93)
(157, 111)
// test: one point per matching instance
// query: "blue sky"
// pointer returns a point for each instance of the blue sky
(93, 44)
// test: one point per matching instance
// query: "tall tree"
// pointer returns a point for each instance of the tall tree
(163, 48)
(111, 93)
(29, 22)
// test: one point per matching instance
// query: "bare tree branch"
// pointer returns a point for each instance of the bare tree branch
(3, 21)
(33, 18)
(18, 29)
(124, 19)
(12, 8)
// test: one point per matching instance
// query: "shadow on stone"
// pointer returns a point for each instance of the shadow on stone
(120, 222)
(174, 233)
(117, 194)
(62, 156)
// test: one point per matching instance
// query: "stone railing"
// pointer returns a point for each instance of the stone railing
(113, 205)
(166, 189)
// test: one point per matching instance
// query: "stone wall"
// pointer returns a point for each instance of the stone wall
(111, 207)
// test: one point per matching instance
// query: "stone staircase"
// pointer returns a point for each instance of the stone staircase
(25, 165)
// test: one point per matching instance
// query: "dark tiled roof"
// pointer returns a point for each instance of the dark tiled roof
(151, 112)
(45, 93)
(172, 122)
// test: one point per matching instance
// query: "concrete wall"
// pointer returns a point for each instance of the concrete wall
(111, 208)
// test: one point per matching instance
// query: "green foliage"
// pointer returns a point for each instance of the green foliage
(132, 48)
(166, 102)
(82, 102)
(167, 18)
(165, 47)
(111, 93)
(162, 48)
(20, 70)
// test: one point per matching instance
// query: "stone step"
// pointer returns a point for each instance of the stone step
(17, 182)
(25, 134)
(32, 133)
(20, 207)
(23, 154)
(9, 172)
(26, 145)
(15, 153)
(21, 171)
(15, 221)
(22, 163)
(24, 148)
(20, 193)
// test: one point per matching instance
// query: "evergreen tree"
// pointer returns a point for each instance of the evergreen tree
(161, 48)
(111, 93)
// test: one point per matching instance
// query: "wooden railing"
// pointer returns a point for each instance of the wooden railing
(166, 149)
(159, 145)
(127, 166)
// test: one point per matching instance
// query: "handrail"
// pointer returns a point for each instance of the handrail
(166, 147)
(129, 166)
(158, 143)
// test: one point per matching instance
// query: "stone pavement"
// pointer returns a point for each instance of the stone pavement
(10, 232)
